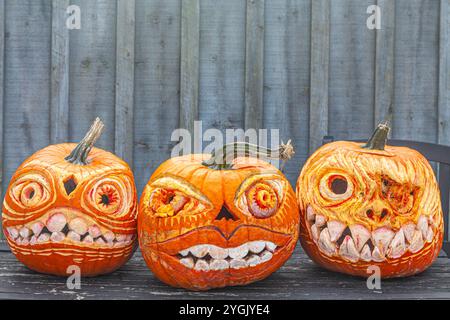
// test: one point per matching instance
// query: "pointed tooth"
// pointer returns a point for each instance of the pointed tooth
(335, 228)
(408, 230)
(320, 220)
(43, 238)
(184, 253)
(430, 234)
(314, 232)
(348, 250)
(57, 236)
(109, 236)
(325, 242)
(265, 256)
(56, 222)
(310, 214)
(187, 262)
(219, 265)
(13, 232)
(25, 242)
(360, 235)
(256, 246)
(218, 253)
(271, 246)
(238, 252)
(422, 225)
(121, 237)
(200, 250)
(37, 228)
(416, 242)
(382, 238)
(253, 260)
(94, 231)
(73, 236)
(25, 232)
(201, 265)
(238, 263)
(33, 240)
(78, 225)
(88, 239)
(377, 255)
(366, 255)
(100, 241)
(398, 245)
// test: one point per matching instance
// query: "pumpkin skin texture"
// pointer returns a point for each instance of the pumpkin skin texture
(362, 207)
(57, 214)
(192, 247)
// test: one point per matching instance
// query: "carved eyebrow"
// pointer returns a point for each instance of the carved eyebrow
(173, 182)
(258, 177)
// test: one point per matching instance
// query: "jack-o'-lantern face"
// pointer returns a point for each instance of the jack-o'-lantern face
(201, 228)
(362, 207)
(57, 213)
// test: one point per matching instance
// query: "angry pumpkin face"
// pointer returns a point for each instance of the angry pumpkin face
(363, 206)
(202, 228)
(79, 210)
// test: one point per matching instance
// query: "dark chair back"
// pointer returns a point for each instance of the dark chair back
(436, 153)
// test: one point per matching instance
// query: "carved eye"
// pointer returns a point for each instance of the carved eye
(400, 196)
(108, 196)
(261, 195)
(30, 191)
(172, 196)
(336, 187)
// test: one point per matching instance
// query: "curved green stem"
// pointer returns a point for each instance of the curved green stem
(223, 158)
(81, 152)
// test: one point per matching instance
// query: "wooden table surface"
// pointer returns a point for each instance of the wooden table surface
(298, 279)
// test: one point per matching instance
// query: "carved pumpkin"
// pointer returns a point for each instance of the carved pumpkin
(370, 205)
(72, 205)
(204, 225)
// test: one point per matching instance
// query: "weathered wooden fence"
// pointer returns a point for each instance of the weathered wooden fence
(147, 67)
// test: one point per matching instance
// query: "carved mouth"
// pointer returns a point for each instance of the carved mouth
(67, 226)
(207, 257)
(355, 242)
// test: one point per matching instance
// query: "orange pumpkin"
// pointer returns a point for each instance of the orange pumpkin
(205, 224)
(370, 205)
(72, 205)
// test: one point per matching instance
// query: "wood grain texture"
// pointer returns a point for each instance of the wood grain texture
(222, 64)
(254, 64)
(26, 81)
(352, 57)
(287, 76)
(157, 84)
(59, 108)
(189, 70)
(444, 74)
(93, 70)
(384, 64)
(416, 70)
(124, 108)
(320, 65)
(299, 278)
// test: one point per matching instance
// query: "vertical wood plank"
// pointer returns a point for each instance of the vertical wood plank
(254, 64)
(189, 74)
(2, 73)
(59, 108)
(157, 74)
(384, 65)
(287, 76)
(125, 35)
(320, 59)
(444, 74)
(416, 70)
(93, 70)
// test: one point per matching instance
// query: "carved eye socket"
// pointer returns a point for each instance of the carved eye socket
(335, 187)
(400, 196)
(261, 196)
(171, 196)
(108, 196)
(30, 191)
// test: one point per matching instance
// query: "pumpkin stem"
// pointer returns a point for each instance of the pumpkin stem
(223, 158)
(379, 137)
(80, 153)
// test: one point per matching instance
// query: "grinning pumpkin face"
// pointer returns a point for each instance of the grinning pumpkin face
(57, 213)
(202, 228)
(361, 207)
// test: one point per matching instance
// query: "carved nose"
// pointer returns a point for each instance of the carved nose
(377, 215)
(225, 214)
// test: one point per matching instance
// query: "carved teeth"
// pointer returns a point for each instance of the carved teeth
(335, 228)
(13, 232)
(266, 256)
(377, 255)
(74, 236)
(360, 235)
(200, 251)
(408, 230)
(238, 263)
(348, 249)
(56, 222)
(217, 252)
(25, 232)
(78, 225)
(398, 246)
(315, 232)
(239, 252)
(416, 242)
(94, 231)
(422, 225)
(188, 262)
(219, 265)
(57, 236)
(201, 265)
(256, 246)
(320, 220)
(366, 255)
(430, 234)
(325, 242)
(382, 238)
(37, 228)
(310, 214)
